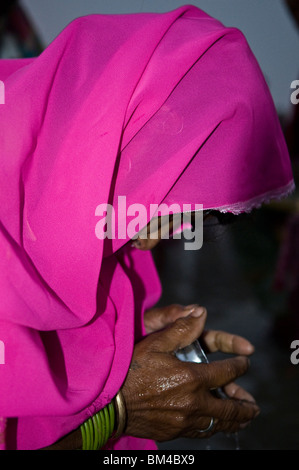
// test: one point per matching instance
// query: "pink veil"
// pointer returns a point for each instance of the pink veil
(166, 108)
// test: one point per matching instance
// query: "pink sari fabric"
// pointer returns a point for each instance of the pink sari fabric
(165, 107)
(2, 433)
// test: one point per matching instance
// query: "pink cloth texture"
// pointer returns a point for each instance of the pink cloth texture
(2, 433)
(158, 107)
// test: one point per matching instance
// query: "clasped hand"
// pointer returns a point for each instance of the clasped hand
(167, 398)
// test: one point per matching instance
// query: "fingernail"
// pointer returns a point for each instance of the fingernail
(197, 311)
(190, 308)
(250, 348)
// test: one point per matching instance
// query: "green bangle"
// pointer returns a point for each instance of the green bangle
(83, 434)
(111, 417)
(87, 434)
(90, 425)
(106, 424)
(97, 430)
(96, 438)
(101, 420)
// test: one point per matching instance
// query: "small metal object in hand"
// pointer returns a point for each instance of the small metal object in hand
(195, 353)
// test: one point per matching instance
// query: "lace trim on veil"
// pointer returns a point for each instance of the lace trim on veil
(256, 202)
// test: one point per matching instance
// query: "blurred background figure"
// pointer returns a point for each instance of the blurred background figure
(286, 280)
(17, 35)
(292, 128)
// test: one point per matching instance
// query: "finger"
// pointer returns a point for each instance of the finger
(160, 317)
(201, 425)
(220, 373)
(226, 342)
(227, 427)
(234, 390)
(239, 411)
(218, 426)
(181, 333)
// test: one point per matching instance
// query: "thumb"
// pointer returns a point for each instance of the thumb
(182, 332)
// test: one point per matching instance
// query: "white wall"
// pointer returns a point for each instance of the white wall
(269, 29)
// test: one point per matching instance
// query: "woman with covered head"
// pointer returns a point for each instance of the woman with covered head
(167, 108)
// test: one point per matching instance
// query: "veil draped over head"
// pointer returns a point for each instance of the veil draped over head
(168, 107)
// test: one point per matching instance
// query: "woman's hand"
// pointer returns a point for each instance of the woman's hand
(167, 398)
(212, 340)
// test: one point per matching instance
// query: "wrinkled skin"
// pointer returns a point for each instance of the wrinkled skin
(166, 398)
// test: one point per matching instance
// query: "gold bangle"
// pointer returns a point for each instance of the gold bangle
(121, 414)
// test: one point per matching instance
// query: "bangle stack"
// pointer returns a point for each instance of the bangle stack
(97, 430)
